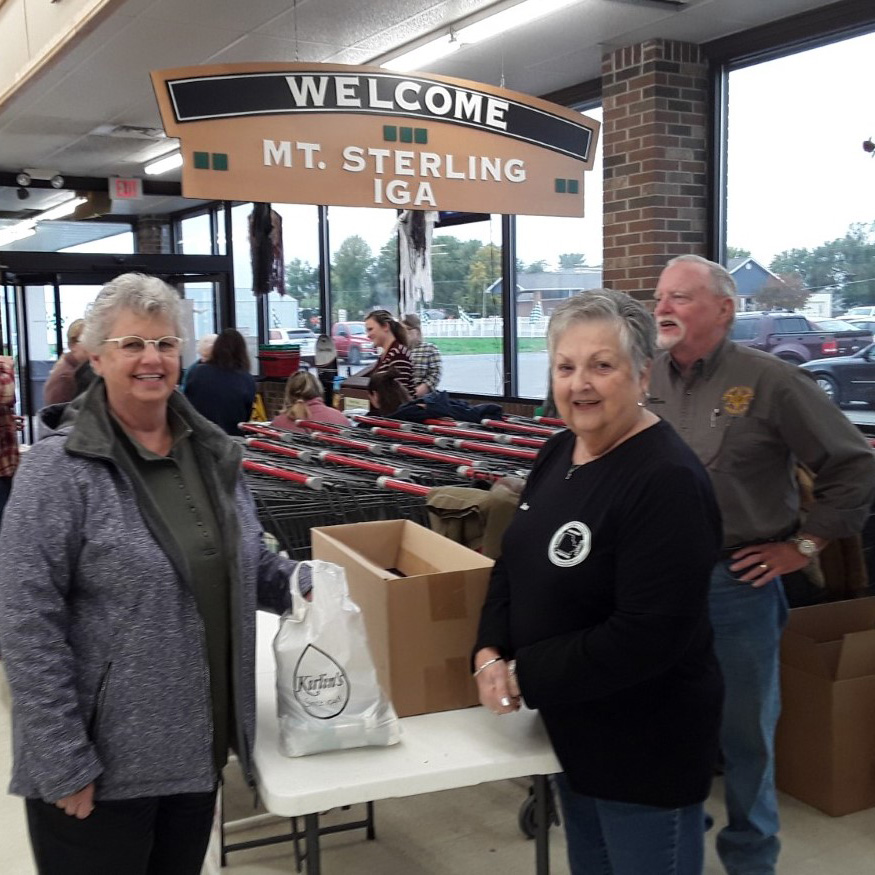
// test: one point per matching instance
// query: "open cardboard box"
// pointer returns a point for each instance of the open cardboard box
(825, 745)
(420, 595)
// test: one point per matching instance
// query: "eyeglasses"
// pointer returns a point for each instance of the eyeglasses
(132, 345)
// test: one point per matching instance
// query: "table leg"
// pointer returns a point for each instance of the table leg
(311, 833)
(542, 825)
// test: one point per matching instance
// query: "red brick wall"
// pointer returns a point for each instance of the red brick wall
(655, 162)
(153, 235)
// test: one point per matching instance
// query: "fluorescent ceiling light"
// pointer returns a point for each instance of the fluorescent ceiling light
(461, 35)
(507, 19)
(425, 54)
(18, 231)
(163, 165)
(61, 210)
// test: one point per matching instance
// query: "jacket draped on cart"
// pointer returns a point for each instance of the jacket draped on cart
(102, 641)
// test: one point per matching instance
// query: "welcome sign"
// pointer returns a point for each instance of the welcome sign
(361, 136)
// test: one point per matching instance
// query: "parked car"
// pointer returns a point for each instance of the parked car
(351, 342)
(849, 338)
(865, 322)
(789, 336)
(303, 337)
(847, 378)
(859, 311)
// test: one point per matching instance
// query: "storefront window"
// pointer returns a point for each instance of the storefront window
(195, 235)
(364, 262)
(556, 258)
(800, 227)
(464, 319)
(299, 306)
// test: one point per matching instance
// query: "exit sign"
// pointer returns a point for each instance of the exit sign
(121, 189)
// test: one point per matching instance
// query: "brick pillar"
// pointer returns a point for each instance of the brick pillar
(655, 164)
(153, 235)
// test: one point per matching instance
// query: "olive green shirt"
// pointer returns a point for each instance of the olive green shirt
(177, 489)
(750, 418)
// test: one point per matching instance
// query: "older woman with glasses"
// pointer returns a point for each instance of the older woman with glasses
(596, 613)
(131, 566)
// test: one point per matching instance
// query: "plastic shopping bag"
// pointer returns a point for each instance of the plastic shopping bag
(328, 696)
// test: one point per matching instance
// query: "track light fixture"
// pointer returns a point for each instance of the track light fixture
(57, 181)
(23, 179)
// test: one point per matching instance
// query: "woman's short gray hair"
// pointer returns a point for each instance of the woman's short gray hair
(722, 283)
(136, 293)
(634, 323)
(205, 345)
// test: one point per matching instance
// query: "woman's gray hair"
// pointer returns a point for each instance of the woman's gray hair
(722, 283)
(136, 293)
(205, 346)
(634, 323)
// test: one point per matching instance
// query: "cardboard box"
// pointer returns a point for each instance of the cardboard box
(421, 622)
(825, 745)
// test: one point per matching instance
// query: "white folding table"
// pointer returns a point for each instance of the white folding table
(440, 751)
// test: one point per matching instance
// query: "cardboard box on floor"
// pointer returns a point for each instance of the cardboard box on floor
(825, 745)
(421, 622)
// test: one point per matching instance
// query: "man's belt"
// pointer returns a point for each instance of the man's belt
(726, 552)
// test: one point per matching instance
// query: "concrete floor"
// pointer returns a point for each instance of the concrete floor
(460, 832)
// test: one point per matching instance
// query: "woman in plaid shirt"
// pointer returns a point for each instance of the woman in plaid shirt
(8, 429)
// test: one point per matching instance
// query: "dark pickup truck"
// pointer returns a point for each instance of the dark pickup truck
(789, 336)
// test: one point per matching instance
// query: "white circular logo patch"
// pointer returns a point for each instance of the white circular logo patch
(570, 545)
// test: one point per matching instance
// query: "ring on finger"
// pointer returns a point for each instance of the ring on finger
(504, 702)
(763, 566)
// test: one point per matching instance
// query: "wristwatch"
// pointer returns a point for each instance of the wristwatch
(805, 546)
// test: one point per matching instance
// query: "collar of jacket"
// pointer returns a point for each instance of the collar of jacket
(90, 431)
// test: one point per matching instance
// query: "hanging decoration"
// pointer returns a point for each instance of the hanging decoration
(415, 229)
(266, 248)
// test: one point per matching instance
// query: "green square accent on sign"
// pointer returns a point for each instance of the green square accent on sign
(202, 160)
(406, 135)
(420, 135)
(573, 186)
(390, 133)
(220, 161)
(560, 186)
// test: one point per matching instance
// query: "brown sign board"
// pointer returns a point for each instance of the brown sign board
(365, 137)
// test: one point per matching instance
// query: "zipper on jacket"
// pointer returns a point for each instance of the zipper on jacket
(98, 703)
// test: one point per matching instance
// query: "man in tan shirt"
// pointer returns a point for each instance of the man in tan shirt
(750, 418)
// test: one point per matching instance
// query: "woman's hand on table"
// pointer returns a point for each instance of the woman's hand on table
(496, 686)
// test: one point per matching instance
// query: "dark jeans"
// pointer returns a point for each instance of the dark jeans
(157, 835)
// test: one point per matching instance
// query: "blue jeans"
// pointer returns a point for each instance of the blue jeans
(621, 838)
(747, 625)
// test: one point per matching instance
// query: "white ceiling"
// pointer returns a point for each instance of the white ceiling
(59, 119)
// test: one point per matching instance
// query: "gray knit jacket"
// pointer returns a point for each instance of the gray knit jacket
(100, 635)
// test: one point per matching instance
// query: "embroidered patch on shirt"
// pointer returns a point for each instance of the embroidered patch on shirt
(524, 506)
(570, 544)
(736, 400)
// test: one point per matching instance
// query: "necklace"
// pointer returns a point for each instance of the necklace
(643, 423)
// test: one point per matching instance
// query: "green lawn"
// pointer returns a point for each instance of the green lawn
(484, 345)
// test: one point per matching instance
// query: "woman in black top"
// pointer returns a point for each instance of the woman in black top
(597, 609)
(222, 389)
